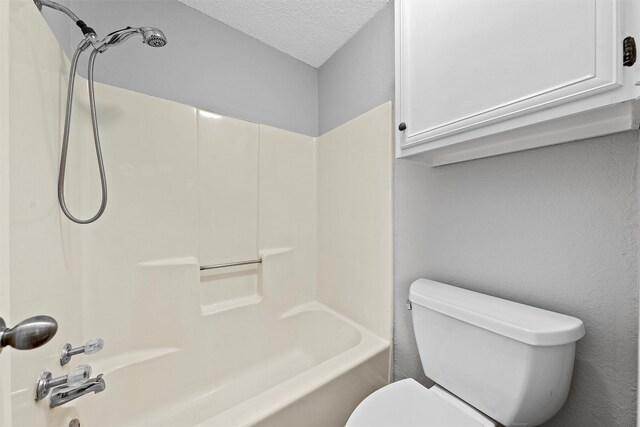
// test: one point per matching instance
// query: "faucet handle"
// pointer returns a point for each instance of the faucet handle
(92, 346)
(78, 375)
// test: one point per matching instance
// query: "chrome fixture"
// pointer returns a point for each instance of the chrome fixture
(150, 36)
(30, 333)
(62, 395)
(76, 377)
(58, 7)
(92, 346)
(230, 264)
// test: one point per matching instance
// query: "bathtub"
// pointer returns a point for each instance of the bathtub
(300, 380)
(308, 367)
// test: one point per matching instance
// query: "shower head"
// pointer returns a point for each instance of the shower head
(153, 37)
(150, 36)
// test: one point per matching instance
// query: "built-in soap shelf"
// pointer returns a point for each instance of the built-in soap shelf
(238, 286)
(212, 291)
(228, 288)
(171, 262)
(216, 290)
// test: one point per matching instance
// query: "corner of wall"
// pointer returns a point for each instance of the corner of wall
(355, 257)
(360, 75)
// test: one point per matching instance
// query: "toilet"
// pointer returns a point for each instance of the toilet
(492, 360)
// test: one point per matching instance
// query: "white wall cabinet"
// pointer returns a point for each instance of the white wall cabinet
(482, 78)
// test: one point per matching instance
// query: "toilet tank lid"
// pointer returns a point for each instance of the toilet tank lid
(520, 322)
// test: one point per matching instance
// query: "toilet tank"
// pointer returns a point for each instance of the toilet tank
(511, 361)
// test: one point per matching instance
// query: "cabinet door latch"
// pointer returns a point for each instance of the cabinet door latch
(629, 51)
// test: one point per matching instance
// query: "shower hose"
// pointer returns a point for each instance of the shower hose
(96, 136)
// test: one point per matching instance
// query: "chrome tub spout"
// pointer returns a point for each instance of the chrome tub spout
(62, 395)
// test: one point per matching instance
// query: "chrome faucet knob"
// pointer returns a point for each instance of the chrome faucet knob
(92, 346)
(28, 334)
(76, 377)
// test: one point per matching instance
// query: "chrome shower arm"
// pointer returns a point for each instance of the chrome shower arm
(58, 7)
(86, 30)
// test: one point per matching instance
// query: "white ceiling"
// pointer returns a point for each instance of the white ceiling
(309, 30)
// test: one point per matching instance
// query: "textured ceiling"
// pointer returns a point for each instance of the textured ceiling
(309, 30)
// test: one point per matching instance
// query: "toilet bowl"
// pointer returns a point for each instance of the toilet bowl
(407, 403)
(492, 360)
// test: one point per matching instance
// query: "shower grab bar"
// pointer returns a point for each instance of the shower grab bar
(230, 264)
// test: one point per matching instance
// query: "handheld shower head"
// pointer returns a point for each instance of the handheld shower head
(150, 36)
(153, 37)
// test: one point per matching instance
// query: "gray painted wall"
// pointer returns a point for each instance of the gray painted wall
(359, 76)
(206, 63)
(212, 66)
(555, 228)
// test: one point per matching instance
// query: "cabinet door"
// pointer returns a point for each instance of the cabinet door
(468, 64)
